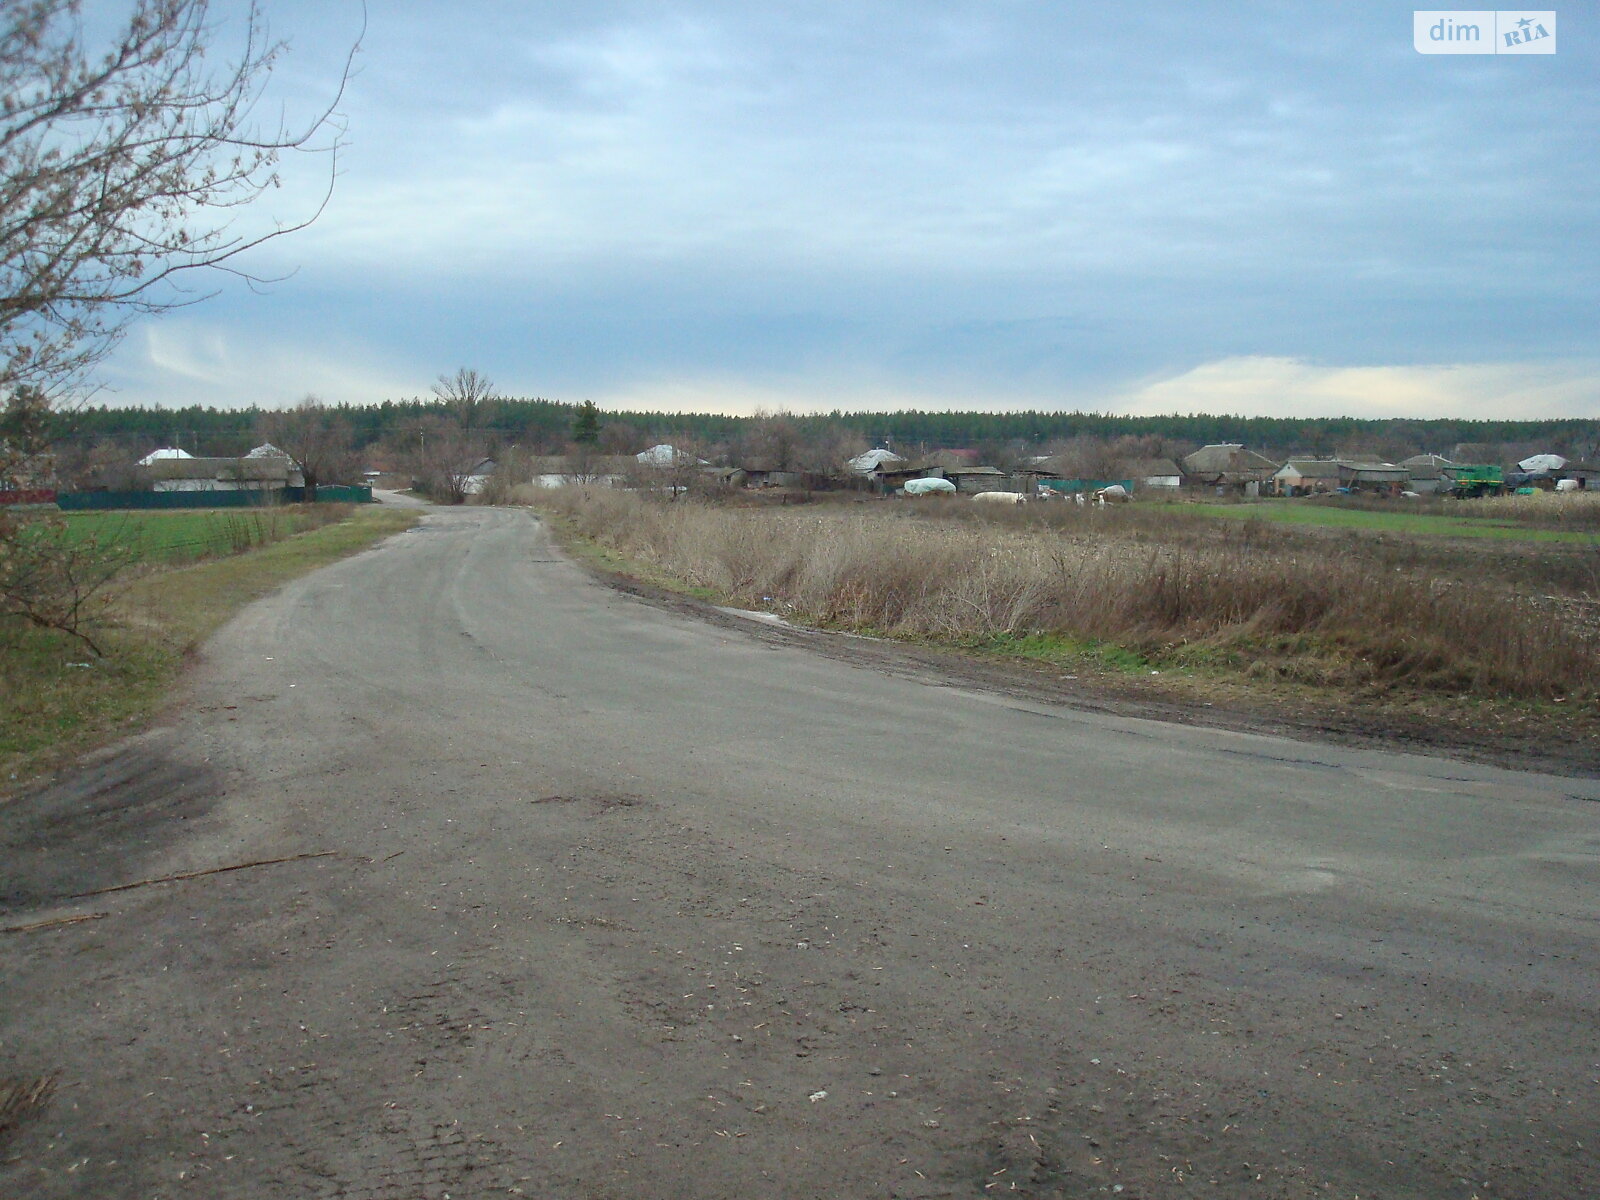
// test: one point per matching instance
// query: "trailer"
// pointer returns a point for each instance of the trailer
(1473, 480)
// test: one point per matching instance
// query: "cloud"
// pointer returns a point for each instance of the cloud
(706, 203)
(1288, 387)
(175, 363)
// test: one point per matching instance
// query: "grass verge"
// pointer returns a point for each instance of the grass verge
(60, 701)
(1487, 521)
(188, 535)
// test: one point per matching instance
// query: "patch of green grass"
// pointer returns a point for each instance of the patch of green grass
(187, 535)
(1300, 512)
(60, 700)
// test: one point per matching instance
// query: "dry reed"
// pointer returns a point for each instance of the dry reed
(1102, 578)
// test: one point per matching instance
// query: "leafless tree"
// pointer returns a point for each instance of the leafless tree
(772, 439)
(123, 167)
(469, 394)
(317, 440)
(442, 455)
(52, 580)
(583, 462)
(104, 466)
(618, 437)
(126, 163)
(47, 577)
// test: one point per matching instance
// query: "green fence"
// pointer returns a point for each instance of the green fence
(1072, 486)
(331, 493)
(255, 498)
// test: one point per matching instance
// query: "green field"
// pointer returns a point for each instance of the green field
(171, 538)
(1300, 512)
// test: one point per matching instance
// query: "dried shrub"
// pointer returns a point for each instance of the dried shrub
(1165, 587)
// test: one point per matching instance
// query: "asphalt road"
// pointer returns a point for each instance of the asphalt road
(618, 902)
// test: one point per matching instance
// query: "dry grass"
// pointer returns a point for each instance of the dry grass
(1569, 511)
(1543, 510)
(1142, 579)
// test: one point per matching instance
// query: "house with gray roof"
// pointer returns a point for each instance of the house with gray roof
(1228, 466)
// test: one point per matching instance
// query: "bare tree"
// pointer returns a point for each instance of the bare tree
(469, 394)
(618, 437)
(442, 456)
(123, 167)
(771, 439)
(317, 440)
(582, 462)
(104, 466)
(50, 579)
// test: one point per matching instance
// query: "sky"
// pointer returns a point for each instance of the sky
(1263, 209)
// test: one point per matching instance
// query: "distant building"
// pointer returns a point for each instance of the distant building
(665, 455)
(190, 474)
(1154, 472)
(168, 452)
(868, 463)
(1229, 466)
(1306, 477)
(1429, 473)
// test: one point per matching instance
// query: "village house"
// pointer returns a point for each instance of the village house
(1306, 477)
(1154, 473)
(266, 468)
(1378, 478)
(1228, 466)
(868, 463)
(560, 470)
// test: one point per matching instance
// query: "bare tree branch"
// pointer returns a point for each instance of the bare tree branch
(123, 170)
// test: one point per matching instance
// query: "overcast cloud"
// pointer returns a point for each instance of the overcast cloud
(1146, 208)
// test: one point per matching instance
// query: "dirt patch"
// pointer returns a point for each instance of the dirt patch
(96, 827)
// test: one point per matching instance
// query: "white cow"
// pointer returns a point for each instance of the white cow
(1001, 497)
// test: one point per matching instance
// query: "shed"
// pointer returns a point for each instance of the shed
(1306, 477)
(1154, 472)
(1428, 472)
(1382, 478)
(971, 480)
(1586, 474)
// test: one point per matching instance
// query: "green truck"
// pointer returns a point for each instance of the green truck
(1473, 480)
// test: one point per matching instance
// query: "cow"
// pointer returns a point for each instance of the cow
(1001, 497)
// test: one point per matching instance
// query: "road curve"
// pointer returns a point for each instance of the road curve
(613, 902)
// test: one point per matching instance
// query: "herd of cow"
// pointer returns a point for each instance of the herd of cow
(1115, 494)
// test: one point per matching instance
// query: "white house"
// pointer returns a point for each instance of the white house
(163, 454)
(666, 456)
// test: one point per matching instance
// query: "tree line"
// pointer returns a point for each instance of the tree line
(543, 426)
